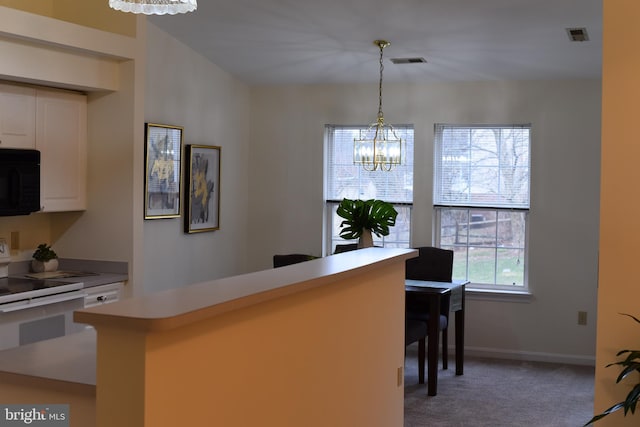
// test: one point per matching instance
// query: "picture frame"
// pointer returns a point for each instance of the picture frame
(202, 188)
(163, 171)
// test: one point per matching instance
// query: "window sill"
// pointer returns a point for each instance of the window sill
(497, 295)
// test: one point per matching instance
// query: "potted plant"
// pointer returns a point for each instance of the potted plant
(44, 259)
(630, 364)
(362, 217)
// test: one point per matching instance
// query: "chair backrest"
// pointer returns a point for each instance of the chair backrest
(432, 263)
(346, 248)
(288, 259)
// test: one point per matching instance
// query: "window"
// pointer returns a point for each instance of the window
(344, 179)
(481, 201)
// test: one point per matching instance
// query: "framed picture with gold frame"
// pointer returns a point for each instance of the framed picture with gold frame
(163, 159)
(202, 188)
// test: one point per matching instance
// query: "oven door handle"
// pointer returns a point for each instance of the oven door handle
(42, 301)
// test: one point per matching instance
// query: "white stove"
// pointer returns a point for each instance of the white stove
(28, 292)
(35, 309)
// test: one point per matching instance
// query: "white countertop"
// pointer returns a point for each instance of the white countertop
(181, 306)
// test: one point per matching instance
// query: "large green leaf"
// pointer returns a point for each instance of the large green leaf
(382, 215)
(358, 215)
(630, 364)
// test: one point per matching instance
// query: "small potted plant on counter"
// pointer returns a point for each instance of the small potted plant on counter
(44, 259)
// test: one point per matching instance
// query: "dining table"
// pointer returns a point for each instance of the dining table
(432, 293)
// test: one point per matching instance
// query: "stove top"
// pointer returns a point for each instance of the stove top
(17, 288)
(12, 285)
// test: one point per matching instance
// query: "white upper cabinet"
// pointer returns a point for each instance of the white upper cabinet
(61, 137)
(55, 123)
(17, 116)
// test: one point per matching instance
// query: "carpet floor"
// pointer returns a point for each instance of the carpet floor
(500, 393)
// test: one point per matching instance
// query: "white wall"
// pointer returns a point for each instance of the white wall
(184, 89)
(286, 184)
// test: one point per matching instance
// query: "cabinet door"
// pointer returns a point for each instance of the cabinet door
(61, 137)
(17, 116)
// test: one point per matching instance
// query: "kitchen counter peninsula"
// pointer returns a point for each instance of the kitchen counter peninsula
(317, 343)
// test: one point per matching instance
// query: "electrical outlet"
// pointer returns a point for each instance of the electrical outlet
(582, 318)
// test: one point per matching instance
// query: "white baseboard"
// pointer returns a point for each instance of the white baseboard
(530, 356)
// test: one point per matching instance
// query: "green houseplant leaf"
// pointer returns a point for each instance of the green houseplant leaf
(630, 364)
(359, 215)
(44, 253)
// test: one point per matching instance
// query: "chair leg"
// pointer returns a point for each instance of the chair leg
(421, 360)
(445, 349)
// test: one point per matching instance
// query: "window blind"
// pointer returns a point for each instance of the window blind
(482, 166)
(344, 179)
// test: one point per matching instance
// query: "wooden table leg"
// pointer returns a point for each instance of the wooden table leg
(432, 350)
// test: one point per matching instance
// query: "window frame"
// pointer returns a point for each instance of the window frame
(483, 289)
(330, 203)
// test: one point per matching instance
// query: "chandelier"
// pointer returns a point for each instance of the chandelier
(154, 7)
(378, 147)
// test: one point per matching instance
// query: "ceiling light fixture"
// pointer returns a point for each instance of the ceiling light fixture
(154, 7)
(378, 147)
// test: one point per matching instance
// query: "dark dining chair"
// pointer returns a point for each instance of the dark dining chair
(345, 248)
(416, 330)
(288, 259)
(432, 264)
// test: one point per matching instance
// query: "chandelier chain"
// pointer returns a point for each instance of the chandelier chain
(378, 147)
(380, 115)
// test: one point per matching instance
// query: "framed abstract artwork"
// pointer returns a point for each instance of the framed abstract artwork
(202, 188)
(163, 152)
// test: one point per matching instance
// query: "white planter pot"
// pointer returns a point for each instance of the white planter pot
(366, 239)
(39, 266)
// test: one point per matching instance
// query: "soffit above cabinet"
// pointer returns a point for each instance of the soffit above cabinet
(49, 52)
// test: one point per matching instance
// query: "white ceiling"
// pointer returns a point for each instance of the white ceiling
(331, 41)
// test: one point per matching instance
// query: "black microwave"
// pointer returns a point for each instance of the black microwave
(19, 181)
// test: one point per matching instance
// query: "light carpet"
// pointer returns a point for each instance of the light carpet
(497, 393)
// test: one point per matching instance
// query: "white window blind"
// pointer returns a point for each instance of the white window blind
(344, 179)
(482, 166)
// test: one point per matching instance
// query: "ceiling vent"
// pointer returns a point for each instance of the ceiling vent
(578, 34)
(408, 60)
